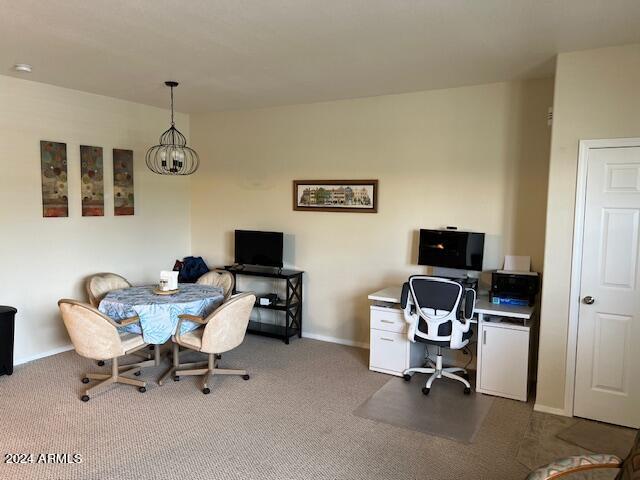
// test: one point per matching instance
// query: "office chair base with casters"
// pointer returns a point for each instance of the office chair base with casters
(205, 370)
(117, 376)
(148, 361)
(438, 371)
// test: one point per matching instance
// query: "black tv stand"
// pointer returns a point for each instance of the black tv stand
(291, 305)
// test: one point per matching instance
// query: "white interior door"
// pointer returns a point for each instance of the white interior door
(607, 383)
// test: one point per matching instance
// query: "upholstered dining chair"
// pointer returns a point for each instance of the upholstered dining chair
(223, 330)
(627, 469)
(100, 284)
(220, 279)
(95, 336)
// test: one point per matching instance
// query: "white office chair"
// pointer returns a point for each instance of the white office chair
(431, 308)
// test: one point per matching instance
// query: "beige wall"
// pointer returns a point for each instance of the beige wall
(44, 259)
(475, 157)
(597, 95)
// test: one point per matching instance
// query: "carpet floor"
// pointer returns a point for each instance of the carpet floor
(293, 420)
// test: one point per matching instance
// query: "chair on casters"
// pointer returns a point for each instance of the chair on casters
(98, 285)
(222, 279)
(431, 308)
(221, 331)
(628, 469)
(95, 336)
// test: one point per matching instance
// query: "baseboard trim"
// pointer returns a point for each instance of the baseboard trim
(47, 353)
(313, 336)
(552, 410)
(341, 341)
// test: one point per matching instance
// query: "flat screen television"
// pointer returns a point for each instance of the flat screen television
(451, 249)
(258, 248)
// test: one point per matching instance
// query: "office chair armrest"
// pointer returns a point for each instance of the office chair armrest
(103, 315)
(469, 304)
(193, 318)
(404, 296)
(412, 320)
(578, 463)
(128, 321)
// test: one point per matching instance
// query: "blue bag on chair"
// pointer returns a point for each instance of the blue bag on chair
(192, 269)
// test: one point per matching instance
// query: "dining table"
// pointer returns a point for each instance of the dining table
(158, 313)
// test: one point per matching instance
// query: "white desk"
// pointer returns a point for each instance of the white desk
(506, 343)
(483, 305)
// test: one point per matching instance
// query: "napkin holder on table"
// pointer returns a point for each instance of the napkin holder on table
(168, 281)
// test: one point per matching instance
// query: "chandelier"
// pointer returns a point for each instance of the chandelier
(172, 156)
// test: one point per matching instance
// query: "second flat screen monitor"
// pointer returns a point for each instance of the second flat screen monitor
(258, 248)
(451, 249)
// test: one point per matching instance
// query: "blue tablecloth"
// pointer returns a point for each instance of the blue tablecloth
(159, 313)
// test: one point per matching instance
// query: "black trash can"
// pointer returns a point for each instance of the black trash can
(7, 322)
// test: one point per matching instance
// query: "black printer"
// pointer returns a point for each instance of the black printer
(514, 288)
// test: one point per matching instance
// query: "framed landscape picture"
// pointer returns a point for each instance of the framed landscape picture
(336, 195)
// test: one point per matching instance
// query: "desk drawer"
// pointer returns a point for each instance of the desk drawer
(388, 351)
(388, 319)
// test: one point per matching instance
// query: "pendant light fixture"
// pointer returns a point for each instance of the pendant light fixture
(172, 156)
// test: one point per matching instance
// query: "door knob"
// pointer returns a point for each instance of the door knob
(588, 300)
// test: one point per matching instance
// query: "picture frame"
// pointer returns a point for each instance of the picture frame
(354, 196)
(92, 181)
(55, 183)
(123, 189)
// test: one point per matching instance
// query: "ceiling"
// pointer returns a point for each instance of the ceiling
(232, 54)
